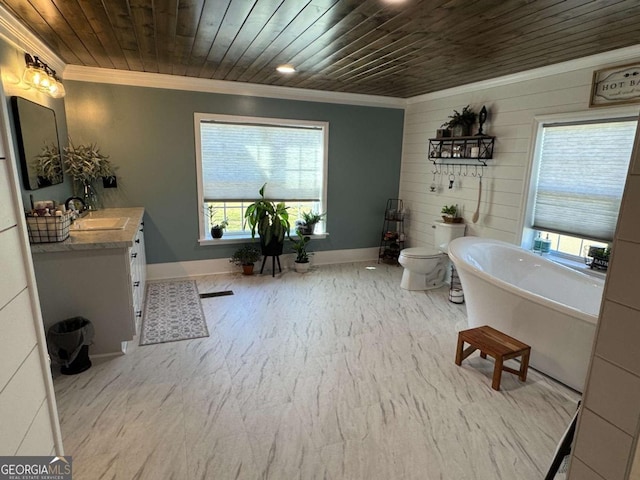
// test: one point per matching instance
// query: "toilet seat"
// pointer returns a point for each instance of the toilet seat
(420, 252)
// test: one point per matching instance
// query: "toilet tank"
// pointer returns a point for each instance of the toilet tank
(445, 232)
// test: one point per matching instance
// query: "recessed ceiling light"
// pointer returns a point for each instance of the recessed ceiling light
(286, 68)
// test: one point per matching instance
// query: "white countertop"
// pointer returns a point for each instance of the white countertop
(96, 239)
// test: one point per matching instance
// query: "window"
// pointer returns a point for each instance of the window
(235, 156)
(578, 183)
(568, 246)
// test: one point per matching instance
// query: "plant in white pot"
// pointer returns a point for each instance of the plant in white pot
(301, 263)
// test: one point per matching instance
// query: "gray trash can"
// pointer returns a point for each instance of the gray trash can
(69, 342)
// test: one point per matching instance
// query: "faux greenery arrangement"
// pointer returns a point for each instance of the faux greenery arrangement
(450, 214)
(300, 247)
(462, 120)
(451, 210)
(271, 220)
(85, 164)
(48, 164)
(245, 255)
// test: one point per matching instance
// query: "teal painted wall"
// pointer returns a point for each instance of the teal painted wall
(149, 135)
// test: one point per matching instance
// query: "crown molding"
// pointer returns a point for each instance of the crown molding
(24, 39)
(175, 82)
(599, 60)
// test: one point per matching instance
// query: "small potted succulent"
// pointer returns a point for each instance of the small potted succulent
(246, 256)
(460, 122)
(450, 214)
(301, 264)
(308, 223)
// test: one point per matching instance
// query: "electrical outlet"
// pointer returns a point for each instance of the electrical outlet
(110, 182)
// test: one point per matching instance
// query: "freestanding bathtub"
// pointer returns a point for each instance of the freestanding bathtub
(552, 308)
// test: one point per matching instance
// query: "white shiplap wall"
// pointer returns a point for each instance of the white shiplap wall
(28, 412)
(512, 110)
(609, 427)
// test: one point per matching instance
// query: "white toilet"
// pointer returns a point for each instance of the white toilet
(426, 268)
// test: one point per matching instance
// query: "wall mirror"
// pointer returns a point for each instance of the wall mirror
(38, 146)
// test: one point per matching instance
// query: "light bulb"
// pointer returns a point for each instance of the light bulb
(287, 68)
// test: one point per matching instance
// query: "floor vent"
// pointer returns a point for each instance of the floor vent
(222, 293)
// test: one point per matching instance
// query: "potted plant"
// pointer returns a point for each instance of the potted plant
(301, 264)
(217, 229)
(450, 214)
(460, 122)
(271, 221)
(85, 164)
(48, 165)
(309, 221)
(246, 256)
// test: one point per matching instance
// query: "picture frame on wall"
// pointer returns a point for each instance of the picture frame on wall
(613, 86)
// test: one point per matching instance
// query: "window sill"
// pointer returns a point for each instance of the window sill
(579, 266)
(244, 238)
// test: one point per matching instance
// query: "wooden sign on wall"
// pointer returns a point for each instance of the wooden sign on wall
(616, 86)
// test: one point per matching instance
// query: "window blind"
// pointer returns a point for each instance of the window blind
(581, 177)
(238, 158)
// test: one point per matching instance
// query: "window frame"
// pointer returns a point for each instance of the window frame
(204, 237)
(526, 231)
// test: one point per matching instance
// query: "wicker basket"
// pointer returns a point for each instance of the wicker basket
(49, 229)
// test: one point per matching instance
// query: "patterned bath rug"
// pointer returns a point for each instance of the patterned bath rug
(173, 312)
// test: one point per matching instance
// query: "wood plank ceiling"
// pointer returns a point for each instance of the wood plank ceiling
(359, 46)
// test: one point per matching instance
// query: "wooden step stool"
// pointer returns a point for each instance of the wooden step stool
(497, 345)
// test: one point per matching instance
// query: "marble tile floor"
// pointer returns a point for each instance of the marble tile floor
(334, 374)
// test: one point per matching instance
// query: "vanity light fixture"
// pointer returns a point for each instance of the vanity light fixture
(286, 68)
(42, 77)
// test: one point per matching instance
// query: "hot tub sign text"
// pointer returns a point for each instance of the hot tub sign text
(616, 85)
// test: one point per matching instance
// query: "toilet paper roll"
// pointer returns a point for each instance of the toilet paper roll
(456, 296)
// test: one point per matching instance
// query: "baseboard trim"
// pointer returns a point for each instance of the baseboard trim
(196, 268)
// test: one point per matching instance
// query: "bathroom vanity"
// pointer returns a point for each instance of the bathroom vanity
(97, 273)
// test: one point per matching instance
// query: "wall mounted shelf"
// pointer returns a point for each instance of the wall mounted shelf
(456, 150)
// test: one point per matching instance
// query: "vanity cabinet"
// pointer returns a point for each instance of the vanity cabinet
(97, 275)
